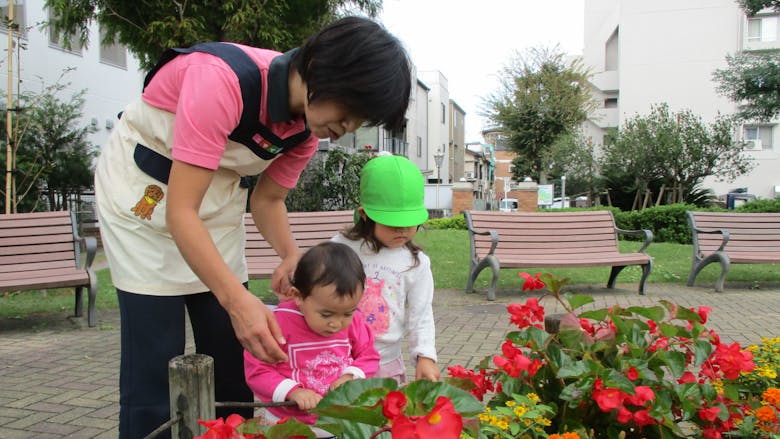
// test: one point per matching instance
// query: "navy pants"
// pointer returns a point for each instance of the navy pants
(153, 332)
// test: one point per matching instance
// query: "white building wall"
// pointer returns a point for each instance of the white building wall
(417, 127)
(668, 51)
(109, 88)
(438, 130)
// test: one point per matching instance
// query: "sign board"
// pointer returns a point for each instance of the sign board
(545, 194)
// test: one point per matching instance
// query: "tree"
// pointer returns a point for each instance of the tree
(53, 156)
(541, 98)
(149, 27)
(674, 151)
(752, 78)
(330, 182)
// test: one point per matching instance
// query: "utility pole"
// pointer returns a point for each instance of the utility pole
(9, 147)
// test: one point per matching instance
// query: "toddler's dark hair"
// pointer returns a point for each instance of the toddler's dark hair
(356, 62)
(330, 263)
(364, 230)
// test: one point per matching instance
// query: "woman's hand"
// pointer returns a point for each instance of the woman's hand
(282, 277)
(256, 328)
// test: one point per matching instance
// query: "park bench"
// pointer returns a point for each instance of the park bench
(733, 238)
(308, 228)
(561, 239)
(44, 250)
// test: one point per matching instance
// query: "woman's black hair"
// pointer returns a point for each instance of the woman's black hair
(330, 263)
(357, 63)
(363, 230)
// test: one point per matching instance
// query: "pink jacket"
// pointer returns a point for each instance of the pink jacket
(314, 361)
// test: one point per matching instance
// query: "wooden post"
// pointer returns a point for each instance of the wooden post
(191, 388)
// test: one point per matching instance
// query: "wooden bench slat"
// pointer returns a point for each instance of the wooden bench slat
(308, 229)
(555, 239)
(30, 258)
(43, 250)
(32, 249)
(39, 267)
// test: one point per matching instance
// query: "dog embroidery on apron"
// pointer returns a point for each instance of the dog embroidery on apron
(145, 206)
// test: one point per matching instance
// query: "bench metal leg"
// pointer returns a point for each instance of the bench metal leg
(488, 261)
(646, 269)
(79, 311)
(725, 265)
(613, 275)
(92, 292)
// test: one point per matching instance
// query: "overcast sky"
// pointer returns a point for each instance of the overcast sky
(470, 41)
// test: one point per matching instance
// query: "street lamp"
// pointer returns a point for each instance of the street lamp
(563, 192)
(438, 157)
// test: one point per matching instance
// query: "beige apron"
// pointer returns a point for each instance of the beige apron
(141, 253)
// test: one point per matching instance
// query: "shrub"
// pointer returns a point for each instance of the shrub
(457, 222)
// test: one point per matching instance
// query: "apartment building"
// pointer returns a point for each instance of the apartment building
(644, 53)
(109, 74)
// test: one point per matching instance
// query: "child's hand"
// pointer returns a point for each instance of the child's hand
(342, 379)
(427, 369)
(305, 398)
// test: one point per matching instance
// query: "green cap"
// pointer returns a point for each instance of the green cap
(392, 192)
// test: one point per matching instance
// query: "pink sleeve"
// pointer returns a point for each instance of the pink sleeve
(287, 168)
(364, 354)
(208, 110)
(263, 378)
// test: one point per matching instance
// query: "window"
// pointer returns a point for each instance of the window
(113, 54)
(19, 22)
(611, 103)
(419, 146)
(443, 114)
(56, 40)
(762, 133)
(762, 28)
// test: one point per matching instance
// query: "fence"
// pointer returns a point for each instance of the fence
(191, 390)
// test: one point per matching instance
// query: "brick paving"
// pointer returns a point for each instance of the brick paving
(59, 378)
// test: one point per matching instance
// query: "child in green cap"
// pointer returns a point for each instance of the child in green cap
(398, 295)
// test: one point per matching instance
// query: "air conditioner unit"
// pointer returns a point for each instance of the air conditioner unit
(469, 174)
(753, 145)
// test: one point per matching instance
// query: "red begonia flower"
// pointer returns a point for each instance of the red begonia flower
(443, 422)
(531, 282)
(394, 405)
(219, 429)
(709, 414)
(608, 399)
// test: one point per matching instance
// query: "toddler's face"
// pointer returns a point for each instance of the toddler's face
(394, 237)
(325, 312)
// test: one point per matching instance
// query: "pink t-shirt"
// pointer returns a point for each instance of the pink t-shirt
(204, 94)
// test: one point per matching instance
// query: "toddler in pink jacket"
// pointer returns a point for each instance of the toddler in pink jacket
(326, 345)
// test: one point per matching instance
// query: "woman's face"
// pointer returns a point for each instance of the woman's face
(328, 119)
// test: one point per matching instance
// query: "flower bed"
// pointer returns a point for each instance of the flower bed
(637, 372)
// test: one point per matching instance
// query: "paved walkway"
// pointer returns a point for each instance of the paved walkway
(59, 378)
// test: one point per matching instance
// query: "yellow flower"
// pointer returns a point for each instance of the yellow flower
(543, 421)
(520, 411)
(533, 397)
(511, 403)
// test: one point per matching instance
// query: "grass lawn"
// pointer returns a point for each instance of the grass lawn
(448, 250)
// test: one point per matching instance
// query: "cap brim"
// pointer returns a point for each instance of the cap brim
(409, 218)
